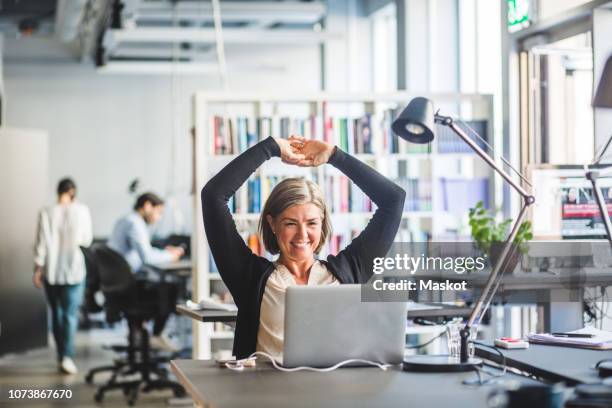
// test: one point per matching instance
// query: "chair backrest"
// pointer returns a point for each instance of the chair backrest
(116, 276)
(92, 279)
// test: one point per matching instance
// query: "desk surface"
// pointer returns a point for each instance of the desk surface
(265, 386)
(223, 316)
(554, 363)
(587, 277)
(207, 315)
(180, 265)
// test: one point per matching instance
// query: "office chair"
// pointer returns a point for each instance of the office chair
(120, 290)
(92, 285)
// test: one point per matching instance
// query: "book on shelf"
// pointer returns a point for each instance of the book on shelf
(234, 135)
(364, 134)
(418, 194)
(417, 184)
(458, 195)
(343, 196)
(409, 232)
(250, 198)
(449, 142)
(337, 242)
(340, 193)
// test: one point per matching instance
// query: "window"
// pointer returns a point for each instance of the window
(384, 49)
(558, 92)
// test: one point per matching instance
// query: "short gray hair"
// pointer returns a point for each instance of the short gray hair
(289, 192)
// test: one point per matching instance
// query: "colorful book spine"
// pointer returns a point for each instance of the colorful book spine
(363, 135)
(237, 134)
(342, 196)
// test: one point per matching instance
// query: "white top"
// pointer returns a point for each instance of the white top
(272, 311)
(61, 230)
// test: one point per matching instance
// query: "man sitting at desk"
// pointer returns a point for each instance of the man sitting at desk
(131, 239)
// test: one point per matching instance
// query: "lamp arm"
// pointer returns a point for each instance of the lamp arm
(488, 291)
(603, 151)
(592, 176)
(448, 121)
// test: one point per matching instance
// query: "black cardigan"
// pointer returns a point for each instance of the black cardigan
(245, 274)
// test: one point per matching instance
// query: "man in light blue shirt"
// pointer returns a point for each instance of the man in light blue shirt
(131, 239)
(130, 236)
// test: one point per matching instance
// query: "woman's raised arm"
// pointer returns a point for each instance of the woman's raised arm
(376, 239)
(230, 252)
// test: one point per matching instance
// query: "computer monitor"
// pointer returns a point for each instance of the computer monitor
(565, 204)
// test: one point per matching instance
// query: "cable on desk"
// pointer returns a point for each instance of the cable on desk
(427, 343)
(596, 312)
(479, 371)
(238, 365)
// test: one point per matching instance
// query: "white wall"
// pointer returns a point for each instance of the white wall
(106, 130)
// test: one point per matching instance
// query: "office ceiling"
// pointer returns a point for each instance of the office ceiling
(162, 34)
(155, 35)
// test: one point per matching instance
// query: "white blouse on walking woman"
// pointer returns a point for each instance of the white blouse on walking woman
(62, 229)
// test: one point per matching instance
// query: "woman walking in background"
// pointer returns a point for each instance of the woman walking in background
(59, 266)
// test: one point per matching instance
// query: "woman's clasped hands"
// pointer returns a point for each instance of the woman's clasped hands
(304, 152)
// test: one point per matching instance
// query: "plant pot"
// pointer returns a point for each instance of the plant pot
(511, 262)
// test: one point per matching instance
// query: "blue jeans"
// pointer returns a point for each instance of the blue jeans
(65, 301)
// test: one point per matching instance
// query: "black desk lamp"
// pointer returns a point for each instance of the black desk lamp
(417, 124)
(603, 99)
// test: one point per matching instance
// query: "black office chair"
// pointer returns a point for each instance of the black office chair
(120, 290)
(90, 305)
(92, 286)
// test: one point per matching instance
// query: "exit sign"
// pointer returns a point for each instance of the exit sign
(518, 13)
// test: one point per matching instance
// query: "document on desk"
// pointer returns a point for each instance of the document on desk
(600, 340)
(210, 304)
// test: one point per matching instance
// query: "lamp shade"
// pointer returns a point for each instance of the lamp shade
(603, 95)
(416, 122)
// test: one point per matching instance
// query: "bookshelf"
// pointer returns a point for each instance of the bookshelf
(435, 176)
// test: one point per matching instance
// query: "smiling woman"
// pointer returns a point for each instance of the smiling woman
(295, 225)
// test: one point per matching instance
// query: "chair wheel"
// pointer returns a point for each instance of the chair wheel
(98, 396)
(133, 395)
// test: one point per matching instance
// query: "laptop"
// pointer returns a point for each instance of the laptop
(325, 325)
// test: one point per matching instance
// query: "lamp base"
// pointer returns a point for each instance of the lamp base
(439, 364)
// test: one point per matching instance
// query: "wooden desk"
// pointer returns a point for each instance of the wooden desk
(264, 386)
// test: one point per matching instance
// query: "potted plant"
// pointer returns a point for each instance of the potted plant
(488, 235)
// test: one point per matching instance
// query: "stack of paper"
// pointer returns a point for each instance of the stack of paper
(211, 304)
(601, 340)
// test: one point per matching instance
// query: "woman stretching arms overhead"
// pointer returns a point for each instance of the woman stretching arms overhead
(294, 224)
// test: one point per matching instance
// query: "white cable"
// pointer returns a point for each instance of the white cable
(239, 364)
